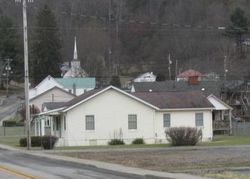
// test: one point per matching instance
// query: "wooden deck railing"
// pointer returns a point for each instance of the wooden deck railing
(221, 125)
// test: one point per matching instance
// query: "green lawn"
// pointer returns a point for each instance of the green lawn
(219, 140)
(12, 141)
(227, 175)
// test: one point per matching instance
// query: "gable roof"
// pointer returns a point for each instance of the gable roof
(174, 99)
(68, 83)
(93, 93)
(155, 100)
(206, 87)
(55, 87)
(189, 73)
(52, 105)
(47, 78)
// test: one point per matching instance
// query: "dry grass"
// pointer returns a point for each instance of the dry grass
(173, 160)
(227, 175)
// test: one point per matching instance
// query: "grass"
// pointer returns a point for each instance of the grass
(227, 175)
(218, 140)
(11, 141)
(221, 140)
(113, 146)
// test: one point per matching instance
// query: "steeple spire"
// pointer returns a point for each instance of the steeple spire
(75, 51)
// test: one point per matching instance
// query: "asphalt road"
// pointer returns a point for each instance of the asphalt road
(9, 106)
(14, 164)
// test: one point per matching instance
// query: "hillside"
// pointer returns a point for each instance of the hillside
(133, 36)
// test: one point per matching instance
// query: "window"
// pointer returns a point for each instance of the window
(58, 123)
(132, 121)
(166, 120)
(64, 122)
(199, 119)
(89, 122)
(47, 122)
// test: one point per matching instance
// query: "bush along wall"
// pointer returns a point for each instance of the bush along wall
(116, 142)
(35, 141)
(183, 136)
(138, 141)
(48, 142)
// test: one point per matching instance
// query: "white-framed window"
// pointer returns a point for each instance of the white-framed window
(167, 120)
(199, 119)
(64, 122)
(89, 122)
(47, 122)
(132, 121)
(58, 123)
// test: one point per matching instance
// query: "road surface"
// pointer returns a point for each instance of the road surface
(9, 107)
(14, 164)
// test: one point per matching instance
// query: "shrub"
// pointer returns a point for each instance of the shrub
(9, 123)
(138, 141)
(48, 142)
(116, 142)
(183, 136)
(35, 141)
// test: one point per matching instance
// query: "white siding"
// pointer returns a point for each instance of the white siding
(55, 95)
(184, 119)
(45, 85)
(111, 111)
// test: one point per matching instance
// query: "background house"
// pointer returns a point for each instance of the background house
(145, 77)
(98, 116)
(76, 86)
(206, 87)
(54, 94)
(190, 75)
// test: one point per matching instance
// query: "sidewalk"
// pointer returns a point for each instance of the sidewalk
(105, 165)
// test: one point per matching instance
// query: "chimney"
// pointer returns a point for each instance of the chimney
(193, 80)
(74, 88)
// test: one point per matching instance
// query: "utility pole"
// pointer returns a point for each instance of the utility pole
(7, 69)
(176, 69)
(110, 36)
(26, 71)
(225, 68)
(169, 66)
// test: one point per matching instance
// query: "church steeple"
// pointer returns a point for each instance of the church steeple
(75, 51)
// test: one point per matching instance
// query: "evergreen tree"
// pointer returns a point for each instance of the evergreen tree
(10, 49)
(238, 28)
(115, 81)
(46, 48)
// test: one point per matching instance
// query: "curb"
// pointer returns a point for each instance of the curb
(108, 166)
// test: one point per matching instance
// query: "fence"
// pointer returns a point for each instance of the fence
(241, 128)
(15, 131)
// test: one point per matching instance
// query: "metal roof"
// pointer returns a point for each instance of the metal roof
(88, 82)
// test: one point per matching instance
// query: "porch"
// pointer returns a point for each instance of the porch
(222, 116)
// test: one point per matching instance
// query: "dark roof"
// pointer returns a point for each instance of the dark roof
(175, 99)
(233, 84)
(162, 100)
(81, 97)
(53, 105)
(208, 87)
